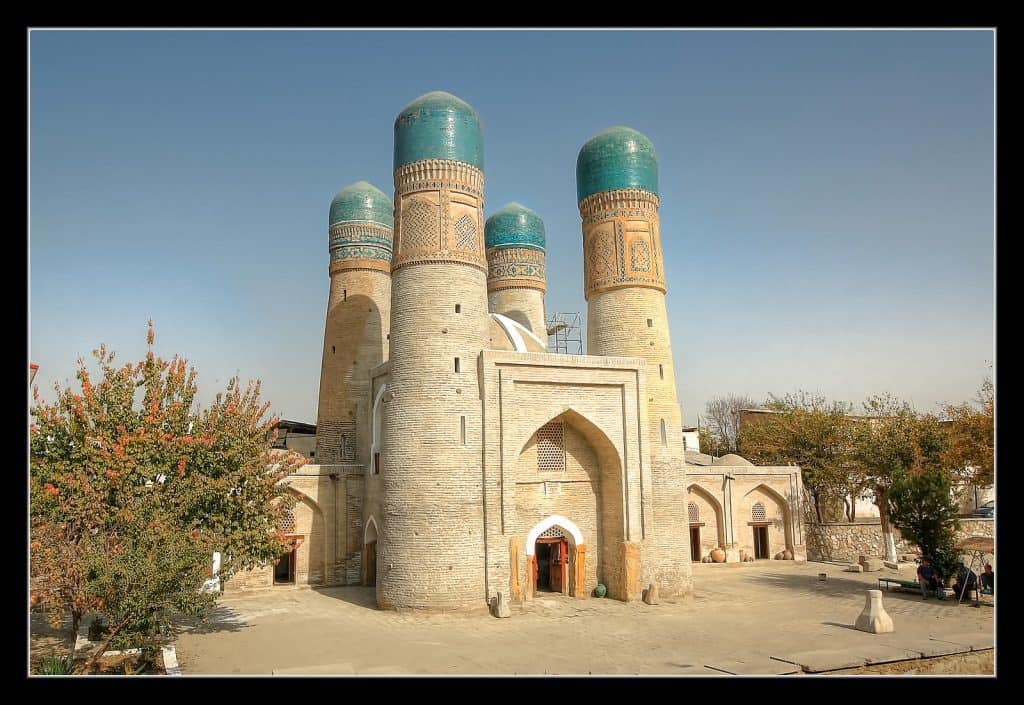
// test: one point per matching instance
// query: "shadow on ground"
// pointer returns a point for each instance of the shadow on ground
(220, 619)
(836, 586)
(357, 595)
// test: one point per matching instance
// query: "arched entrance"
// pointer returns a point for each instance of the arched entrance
(556, 557)
(705, 519)
(767, 519)
(370, 553)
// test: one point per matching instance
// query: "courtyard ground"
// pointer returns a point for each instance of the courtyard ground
(769, 617)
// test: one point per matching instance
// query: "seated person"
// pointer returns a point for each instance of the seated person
(929, 580)
(966, 580)
(988, 580)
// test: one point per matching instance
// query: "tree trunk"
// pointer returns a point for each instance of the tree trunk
(882, 502)
(76, 622)
(817, 506)
(103, 647)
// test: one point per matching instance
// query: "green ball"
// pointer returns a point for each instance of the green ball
(600, 590)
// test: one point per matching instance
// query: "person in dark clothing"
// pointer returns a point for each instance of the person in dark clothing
(966, 580)
(988, 580)
(928, 579)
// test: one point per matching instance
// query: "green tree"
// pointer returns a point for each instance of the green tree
(125, 465)
(971, 449)
(812, 432)
(922, 508)
(890, 440)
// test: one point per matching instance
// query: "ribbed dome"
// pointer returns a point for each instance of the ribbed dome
(617, 158)
(438, 126)
(515, 226)
(362, 202)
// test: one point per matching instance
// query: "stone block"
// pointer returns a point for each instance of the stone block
(499, 606)
(854, 568)
(891, 565)
(871, 565)
(874, 619)
(651, 594)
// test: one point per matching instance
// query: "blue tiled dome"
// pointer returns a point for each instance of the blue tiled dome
(438, 126)
(515, 226)
(617, 158)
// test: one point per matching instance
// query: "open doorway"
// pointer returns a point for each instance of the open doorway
(284, 569)
(761, 541)
(552, 557)
(695, 543)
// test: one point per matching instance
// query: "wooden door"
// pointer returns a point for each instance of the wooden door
(559, 558)
(371, 563)
(695, 544)
(761, 542)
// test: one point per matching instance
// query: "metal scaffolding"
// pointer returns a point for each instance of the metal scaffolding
(565, 333)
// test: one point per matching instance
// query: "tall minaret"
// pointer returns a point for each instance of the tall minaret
(358, 318)
(432, 542)
(624, 283)
(515, 261)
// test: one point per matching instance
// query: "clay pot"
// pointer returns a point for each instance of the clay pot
(743, 555)
(600, 590)
(718, 555)
(780, 555)
(787, 555)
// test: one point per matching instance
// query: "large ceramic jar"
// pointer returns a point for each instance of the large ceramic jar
(718, 555)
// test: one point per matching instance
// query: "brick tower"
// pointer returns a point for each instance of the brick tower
(432, 544)
(515, 261)
(624, 284)
(358, 318)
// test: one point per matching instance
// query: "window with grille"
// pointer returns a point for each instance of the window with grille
(550, 448)
(287, 523)
(694, 513)
(757, 512)
(552, 533)
(347, 446)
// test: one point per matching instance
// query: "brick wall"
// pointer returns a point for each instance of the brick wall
(845, 542)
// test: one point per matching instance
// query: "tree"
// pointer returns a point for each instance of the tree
(722, 414)
(708, 443)
(971, 449)
(891, 440)
(131, 491)
(810, 431)
(922, 507)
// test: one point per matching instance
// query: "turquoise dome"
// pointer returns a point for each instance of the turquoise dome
(438, 126)
(617, 158)
(515, 226)
(362, 202)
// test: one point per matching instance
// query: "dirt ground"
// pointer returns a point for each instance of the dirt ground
(743, 618)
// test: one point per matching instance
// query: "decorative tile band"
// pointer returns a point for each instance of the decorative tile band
(439, 214)
(515, 268)
(621, 241)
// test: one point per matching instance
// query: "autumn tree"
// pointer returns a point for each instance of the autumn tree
(971, 449)
(922, 508)
(812, 432)
(891, 440)
(132, 488)
(722, 417)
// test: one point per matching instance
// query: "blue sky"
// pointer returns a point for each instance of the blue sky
(827, 196)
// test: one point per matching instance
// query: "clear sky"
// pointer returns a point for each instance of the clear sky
(826, 196)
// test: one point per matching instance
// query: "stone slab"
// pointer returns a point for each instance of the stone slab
(825, 659)
(322, 670)
(885, 654)
(975, 641)
(929, 648)
(755, 667)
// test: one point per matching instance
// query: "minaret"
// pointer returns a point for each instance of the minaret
(358, 317)
(624, 284)
(431, 549)
(515, 267)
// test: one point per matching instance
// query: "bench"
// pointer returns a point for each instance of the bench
(899, 582)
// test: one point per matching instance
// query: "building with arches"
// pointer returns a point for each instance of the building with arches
(457, 458)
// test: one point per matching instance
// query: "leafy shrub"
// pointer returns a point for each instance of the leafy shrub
(57, 666)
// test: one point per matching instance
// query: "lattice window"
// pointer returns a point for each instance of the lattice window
(757, 512)
(552, 533)
(694, 512)
(287, 523)
(465, 228)
(640, 256)
(550, 448)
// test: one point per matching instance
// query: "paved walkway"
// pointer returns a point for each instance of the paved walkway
(770, 617)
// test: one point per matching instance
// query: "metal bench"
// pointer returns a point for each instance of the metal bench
(899, 582)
